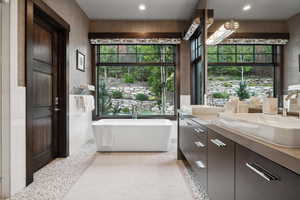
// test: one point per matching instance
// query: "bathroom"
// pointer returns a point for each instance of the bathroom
(180, 99)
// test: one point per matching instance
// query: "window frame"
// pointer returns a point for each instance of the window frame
(175, 64)
(198, 87)
(235, 54)
(137, 63)
(272, 64)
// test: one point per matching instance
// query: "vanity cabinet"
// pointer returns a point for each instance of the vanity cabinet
(199, 154)
(261, 179)
(184, 138)
(221, 165)
(193, 145)
(230, 171)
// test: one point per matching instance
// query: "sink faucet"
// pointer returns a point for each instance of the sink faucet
(134, 112)
(284, 111)
(297, 92)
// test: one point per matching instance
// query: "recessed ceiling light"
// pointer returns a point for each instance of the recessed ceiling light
(142, 7)
(247, 7)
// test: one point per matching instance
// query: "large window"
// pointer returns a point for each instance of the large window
(135, 54)
(198, 70)
(240, 54)
(196, 47)
(229, 65)
(135, 75)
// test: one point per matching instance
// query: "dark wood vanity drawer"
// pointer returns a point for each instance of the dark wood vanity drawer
(261, 179)
(193, 144)
(199, 159)
(221, 152)
(198, 134)
(199, 148)
(191, 137)
(183, 136)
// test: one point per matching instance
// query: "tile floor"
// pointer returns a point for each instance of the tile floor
(59, 179)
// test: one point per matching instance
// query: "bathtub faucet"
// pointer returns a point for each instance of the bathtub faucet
(134, 112)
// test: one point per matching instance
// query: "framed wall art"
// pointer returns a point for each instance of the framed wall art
(80, 61)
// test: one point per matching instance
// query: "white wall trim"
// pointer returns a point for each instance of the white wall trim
(13, 151)
(5, 100)
(17, 111)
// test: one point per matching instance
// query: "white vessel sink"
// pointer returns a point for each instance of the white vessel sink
(275, 129)
(202, 109)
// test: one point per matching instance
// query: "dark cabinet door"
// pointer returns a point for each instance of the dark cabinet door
(187, 132)
(181, 133)
(193, 144)
(199, 155)
(221, 165)
(261, 179)
(185, 138)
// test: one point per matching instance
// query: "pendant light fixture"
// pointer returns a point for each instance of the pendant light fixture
(223, 32)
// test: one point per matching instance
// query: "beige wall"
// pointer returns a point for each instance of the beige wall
(292, 52)
(185, 63)
(79, 22)
(255, 26)
(21, 43)
(137, 26)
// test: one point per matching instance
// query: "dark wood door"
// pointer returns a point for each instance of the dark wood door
(47, 134)
(261, 179)
(221, 172)
(45, 105)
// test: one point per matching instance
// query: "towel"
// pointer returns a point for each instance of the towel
(85, 103)
(90, 103)
(79, 101)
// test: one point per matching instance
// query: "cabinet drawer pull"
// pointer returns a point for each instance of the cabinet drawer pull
(262, 172)
(189, 123)
(200, 164)
(222, 144)
(199, 144)
(201, 130)
(217, 142)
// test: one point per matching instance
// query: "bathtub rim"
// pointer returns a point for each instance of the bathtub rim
(98, 122)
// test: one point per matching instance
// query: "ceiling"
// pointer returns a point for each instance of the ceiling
(261, 9)
(128, 9)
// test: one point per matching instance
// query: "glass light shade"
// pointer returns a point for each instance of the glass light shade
(222, 33)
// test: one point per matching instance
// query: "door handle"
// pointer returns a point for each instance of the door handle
(199, 144)
(262, 172)
(56, 109)
(200, 164)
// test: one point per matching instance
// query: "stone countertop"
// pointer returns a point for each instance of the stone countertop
(287, 157)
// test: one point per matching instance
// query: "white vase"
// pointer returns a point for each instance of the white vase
(270, 106)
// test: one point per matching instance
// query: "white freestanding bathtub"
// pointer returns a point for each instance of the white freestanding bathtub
(132, 134)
